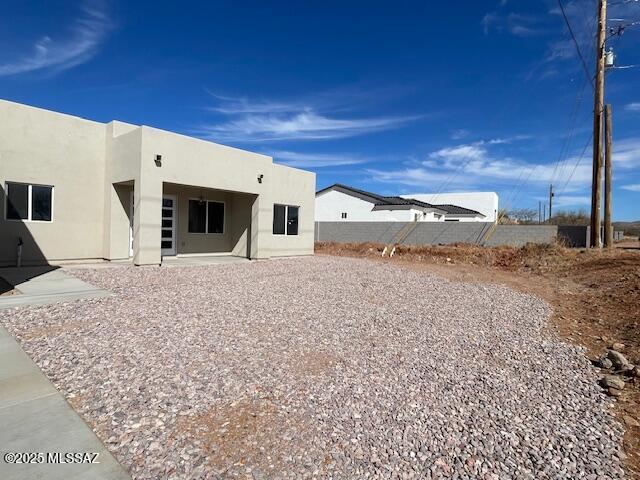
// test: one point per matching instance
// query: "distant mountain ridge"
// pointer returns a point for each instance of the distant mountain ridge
(629, 228)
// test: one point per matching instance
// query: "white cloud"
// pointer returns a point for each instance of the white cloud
(583, 23)
(633, 107)
(475, 164)
(266, 120)
(240, 105)
(317, 160)
(568, 200)
(514, 23)
(626, 153)
(460, 152)
(421, 177)
(561, 50)
(635, 187)
(49, 53)
(307, 125)
(488, 21)
(459, 134)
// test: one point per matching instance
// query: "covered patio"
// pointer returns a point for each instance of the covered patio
(204, 221)
(205, 225)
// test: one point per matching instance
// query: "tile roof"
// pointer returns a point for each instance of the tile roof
(456, 210)
(377, 199)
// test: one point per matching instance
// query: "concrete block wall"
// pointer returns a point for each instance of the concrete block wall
(436, 233)
(519, 235)
(578, 236)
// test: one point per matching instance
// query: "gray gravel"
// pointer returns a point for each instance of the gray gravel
(322, 367)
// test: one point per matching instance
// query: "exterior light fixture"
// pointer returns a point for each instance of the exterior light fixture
(158, 160)
(260, 177)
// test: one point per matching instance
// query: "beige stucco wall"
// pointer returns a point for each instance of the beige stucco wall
(94, 167)
(190, 161)
(123, 149)
(42, 147)
(293, 187)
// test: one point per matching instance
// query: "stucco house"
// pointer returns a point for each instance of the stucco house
(485, 203)
(73, 188)
(343, 203)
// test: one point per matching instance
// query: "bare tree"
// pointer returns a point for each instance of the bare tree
(579, 217)
(524, 215)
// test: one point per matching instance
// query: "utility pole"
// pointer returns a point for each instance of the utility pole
(544, 213)
(551, 195)
(598, 105)
(539, 211)
(608, 227)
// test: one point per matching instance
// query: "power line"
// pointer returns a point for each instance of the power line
(575, 41)
(563, 158)
(578, 161)
(564, 149)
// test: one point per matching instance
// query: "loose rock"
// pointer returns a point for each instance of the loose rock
(614, 392)
(612, 381)
(322, 367)
(618, 347)
(619, 361)
(630, 421)
(604, 362)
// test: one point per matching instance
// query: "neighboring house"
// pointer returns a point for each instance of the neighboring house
(343, 203)
(484, 202)
(72, 188)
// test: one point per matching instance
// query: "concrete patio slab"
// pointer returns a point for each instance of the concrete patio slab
(35, 418)
(202, 260)
(43, 285)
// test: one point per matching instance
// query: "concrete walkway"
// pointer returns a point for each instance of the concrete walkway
(34, 417)
(42, 285)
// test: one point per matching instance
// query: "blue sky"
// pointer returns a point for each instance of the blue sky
(394, 97)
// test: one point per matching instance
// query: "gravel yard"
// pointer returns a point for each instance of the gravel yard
(322, 367)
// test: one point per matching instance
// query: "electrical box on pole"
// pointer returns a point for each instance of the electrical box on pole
(609, 58)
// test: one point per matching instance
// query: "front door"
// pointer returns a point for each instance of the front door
(168, 235)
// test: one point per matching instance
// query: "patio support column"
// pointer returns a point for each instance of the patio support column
(147, 197)
(261, 226)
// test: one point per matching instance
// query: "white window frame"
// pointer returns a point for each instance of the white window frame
(29, 202)
(206, 217)
(286, 215)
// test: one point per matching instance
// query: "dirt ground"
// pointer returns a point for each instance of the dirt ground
(595, 296)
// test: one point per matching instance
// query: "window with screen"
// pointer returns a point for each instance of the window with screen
(206, 216)
(29, 202)
(292, 220)
(215, 217)
(197, 216)
(285, 219)
(279, 219)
